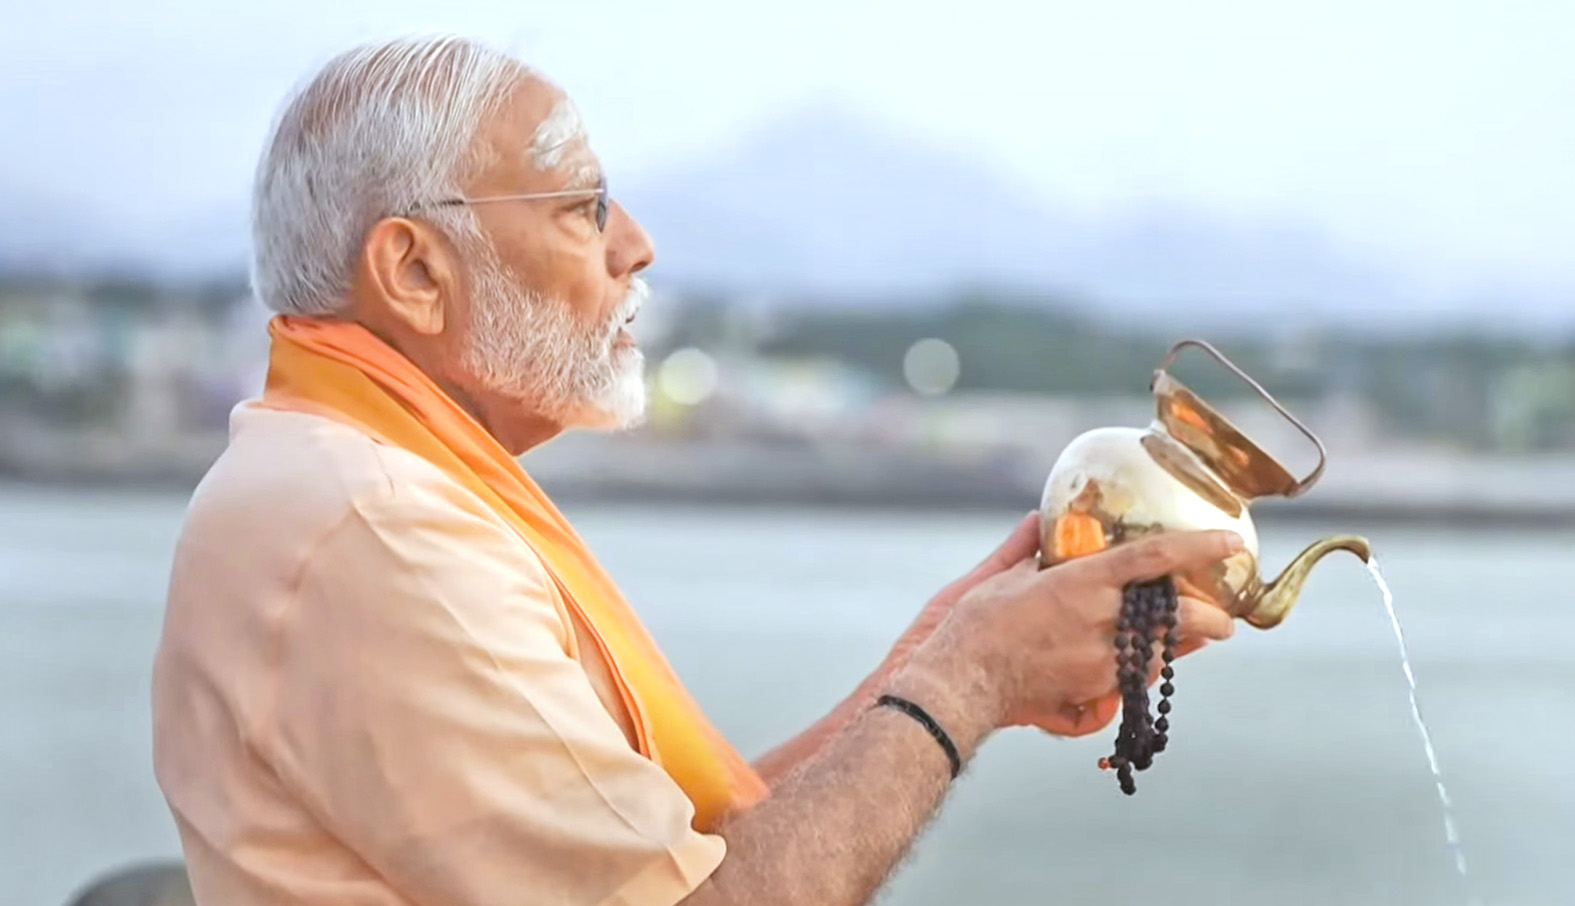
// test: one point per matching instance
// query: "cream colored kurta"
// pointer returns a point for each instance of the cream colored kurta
(368, 693)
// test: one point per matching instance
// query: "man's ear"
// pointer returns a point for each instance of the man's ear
(411, 268)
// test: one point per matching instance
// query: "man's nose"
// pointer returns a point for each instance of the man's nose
(629, 248)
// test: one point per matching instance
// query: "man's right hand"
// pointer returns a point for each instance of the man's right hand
(1032, 646)
(1019, 646)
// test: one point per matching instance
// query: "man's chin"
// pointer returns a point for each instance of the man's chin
(623, 408)
(608, 420)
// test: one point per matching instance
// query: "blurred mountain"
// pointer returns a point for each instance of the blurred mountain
(822, 201)
(826, 203)
(831, 204)
(38, 233)
(45, 233)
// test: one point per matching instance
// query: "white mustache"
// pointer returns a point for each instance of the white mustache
(629, 307)
(634, 299)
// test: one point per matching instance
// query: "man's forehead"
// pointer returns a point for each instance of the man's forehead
(540, 131)
(560, 146)
(559, 135)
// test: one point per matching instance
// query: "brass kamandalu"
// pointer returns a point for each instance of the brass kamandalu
(1190, 469)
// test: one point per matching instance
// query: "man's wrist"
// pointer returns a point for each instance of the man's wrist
(957, 697)
(923, 718)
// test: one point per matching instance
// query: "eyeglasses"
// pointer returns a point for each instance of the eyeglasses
(599, 193)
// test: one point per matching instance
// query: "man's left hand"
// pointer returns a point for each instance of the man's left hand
(1023, 542)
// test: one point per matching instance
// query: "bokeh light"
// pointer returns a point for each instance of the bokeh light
(688, 376)
(931, 367)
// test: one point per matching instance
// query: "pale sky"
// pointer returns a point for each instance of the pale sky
(1433, 131)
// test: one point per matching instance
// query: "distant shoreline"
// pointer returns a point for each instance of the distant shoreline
(1385, 487)
(1358, 515)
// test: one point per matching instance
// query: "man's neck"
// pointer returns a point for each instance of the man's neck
(508, 420)
(518, 430)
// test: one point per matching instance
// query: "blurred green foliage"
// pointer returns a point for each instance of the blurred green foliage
(1461, 388)
(1458, 387)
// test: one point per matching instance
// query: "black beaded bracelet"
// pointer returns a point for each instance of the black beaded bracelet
(924, 718)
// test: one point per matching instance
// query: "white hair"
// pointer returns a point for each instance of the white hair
(380, 129)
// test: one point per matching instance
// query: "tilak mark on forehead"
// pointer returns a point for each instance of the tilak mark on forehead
(557, 135)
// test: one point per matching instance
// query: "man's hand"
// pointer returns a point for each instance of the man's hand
(1006, 644)
(1031, 646)
(1022, 544)
(1090, 717)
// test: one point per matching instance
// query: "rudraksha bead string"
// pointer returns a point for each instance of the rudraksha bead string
(1148, 615)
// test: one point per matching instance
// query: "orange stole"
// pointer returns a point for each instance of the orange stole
(341, 370)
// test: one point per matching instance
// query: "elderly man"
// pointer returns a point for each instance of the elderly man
(391, 672)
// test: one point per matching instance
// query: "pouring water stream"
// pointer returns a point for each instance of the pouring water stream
(1451, 833)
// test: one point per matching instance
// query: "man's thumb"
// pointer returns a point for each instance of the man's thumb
(1021, 544)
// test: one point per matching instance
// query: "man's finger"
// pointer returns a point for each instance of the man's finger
(1160, 555)
(1022, 543)
(1201, 620)
(1197, 624)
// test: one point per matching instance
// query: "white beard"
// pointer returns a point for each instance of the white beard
(530, 348)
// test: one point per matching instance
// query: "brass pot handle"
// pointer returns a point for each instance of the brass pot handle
(1323, 455)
